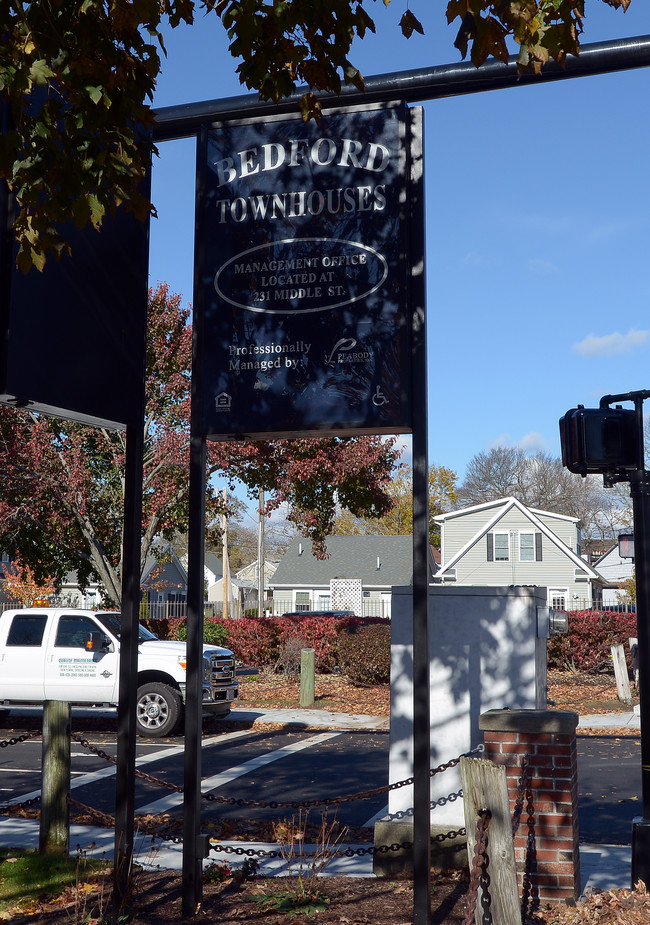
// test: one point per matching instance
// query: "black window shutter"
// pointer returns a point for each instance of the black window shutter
(490, 548)
(538, 547)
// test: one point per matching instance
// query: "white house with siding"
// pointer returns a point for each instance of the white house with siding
(359, 574)
(616, 570)
(503, 542)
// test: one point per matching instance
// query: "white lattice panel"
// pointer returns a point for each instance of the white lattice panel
(347, 594)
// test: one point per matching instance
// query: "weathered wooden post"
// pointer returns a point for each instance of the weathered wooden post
(55, 787)
(307, 675)
(621, 674)
(485, 787)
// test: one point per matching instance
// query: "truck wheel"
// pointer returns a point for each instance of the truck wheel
(158, 709)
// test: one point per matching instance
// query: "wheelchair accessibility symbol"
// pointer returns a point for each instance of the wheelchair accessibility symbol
(379, 399)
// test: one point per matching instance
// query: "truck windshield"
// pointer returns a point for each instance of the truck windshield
(112, 622)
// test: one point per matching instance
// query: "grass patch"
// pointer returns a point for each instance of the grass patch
(28, 879)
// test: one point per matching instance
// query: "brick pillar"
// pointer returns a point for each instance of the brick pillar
(548, 737)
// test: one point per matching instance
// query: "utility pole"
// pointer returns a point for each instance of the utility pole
(260, 554)
(225, 580)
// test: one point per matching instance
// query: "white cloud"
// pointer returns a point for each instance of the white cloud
(530, 443)
(542, 267)
(609, 344)
(473, 259)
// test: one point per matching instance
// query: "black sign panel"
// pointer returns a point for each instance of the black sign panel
(73, 338)
(301, 304)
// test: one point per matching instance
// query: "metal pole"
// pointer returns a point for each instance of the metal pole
(421, 707)
(640, 491)
(412, 86)
(192, 858)
(128, 680)
(192, 885)
(261, 554)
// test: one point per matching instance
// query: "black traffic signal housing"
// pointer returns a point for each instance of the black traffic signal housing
(599, 440)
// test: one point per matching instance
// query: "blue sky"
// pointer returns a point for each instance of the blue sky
(537, 228)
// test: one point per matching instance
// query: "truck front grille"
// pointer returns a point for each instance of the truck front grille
(222, 669)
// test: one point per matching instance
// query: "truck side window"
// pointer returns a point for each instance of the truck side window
(74, 631)
(27, 631)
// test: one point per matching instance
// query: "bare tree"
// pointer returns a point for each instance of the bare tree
(542, 482)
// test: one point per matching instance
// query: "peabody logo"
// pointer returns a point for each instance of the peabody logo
(348, 350)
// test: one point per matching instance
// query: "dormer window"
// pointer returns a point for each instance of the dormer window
(530, 547)
(498, 547)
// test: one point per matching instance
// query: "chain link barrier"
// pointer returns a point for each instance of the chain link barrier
(17, 805)
(166, 831)
(290, 804)
(479, 865)
(530, 892)
(479, 874)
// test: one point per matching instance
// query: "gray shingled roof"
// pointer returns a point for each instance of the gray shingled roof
(349, 557)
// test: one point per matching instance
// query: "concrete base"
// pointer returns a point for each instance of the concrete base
(446, 853)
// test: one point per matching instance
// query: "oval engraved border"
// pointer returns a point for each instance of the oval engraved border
(290, 311)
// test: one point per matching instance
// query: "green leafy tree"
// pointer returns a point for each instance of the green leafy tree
(77, 80)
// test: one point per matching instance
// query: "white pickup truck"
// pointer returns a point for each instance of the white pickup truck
(73, 655)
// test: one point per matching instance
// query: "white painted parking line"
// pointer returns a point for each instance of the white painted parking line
(218, 780)
(110, 770)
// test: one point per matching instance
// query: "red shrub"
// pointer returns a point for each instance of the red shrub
(165, 628)
(592, 633)
(317, 633)
(254, 640)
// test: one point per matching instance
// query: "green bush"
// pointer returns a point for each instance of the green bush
(364, 653)
(216, 631)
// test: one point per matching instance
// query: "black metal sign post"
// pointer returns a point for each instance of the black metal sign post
(421, 654)
(308, 320)
(192, 892)
(126, 708)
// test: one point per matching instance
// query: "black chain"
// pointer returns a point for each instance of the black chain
(108, 820)
(16, 806)
(21, 738)
(479, 864)
(281, 804)
(522, 783)
(530, 892)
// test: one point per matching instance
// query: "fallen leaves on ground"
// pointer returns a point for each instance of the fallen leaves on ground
(333, 692)
(585, 693)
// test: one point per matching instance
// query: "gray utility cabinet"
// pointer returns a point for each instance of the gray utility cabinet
(487, 652)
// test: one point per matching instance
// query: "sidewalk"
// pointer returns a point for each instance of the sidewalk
(628, 720)
(309, 718)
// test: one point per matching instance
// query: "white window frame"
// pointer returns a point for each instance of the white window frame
(530, 533)
(554, 594)
(495, 534)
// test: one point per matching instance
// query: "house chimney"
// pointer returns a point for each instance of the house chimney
(299, 549)
(378, 563)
